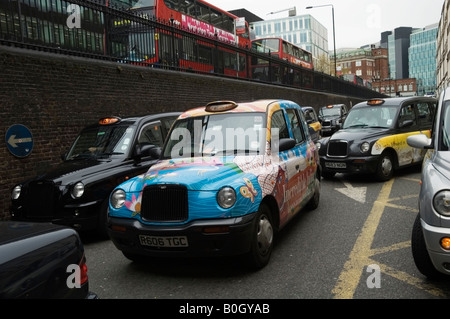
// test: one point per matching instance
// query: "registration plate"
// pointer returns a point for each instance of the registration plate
(163, 241)
(335, 165)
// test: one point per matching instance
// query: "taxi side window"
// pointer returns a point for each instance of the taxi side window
(407, 114)
(425, 113)
(151, 134)
(309, 116)
(295, 125)
(278, 121)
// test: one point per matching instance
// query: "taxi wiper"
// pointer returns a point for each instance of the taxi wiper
(109, 154)
(357, 125)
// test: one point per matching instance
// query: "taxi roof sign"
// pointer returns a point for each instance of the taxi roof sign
(109, 120)
(220, 106)
(375, 102)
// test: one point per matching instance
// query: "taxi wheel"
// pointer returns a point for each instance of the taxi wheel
(136, 257)
(262, 241)
(385, 168)
(102, 228)
(420, 252)
(314, 201)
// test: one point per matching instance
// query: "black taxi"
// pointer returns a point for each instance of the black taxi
(331, 117)
(75, 192)
(373, 137)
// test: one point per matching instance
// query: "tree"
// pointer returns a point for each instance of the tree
(322, 64)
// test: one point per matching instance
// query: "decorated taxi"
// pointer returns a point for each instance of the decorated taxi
(230, 176)
(373, 137)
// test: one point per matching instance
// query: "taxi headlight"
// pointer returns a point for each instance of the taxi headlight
(117, 198)
(226, 197)
(78, 190)
(365, 146)
(318, 145)
(441, 202)
(15, 194)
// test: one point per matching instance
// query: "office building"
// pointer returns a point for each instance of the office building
(443, 49)
(397, 42)
(422, 59)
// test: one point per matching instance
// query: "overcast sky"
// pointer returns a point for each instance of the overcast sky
(357, 22)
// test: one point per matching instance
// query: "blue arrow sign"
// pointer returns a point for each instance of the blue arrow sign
(19, 140)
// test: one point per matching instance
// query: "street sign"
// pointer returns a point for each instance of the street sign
(19, 140)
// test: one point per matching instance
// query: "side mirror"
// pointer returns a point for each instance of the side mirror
(150, 150)
(146, 150)
(406, 123)
(286, 144)
(419, 141)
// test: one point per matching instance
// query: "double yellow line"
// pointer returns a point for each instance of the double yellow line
(360, 256)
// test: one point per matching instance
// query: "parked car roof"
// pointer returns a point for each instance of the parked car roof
(35, 260)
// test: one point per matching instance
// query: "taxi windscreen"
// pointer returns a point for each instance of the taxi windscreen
(217, 135)
(101, 142)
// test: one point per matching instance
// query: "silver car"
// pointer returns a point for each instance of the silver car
(430, 239)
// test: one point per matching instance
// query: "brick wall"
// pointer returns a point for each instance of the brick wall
(55, 96)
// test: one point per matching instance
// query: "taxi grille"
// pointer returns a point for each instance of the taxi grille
(326, 123)
(165, 203)
(337, 148)
(41, 199)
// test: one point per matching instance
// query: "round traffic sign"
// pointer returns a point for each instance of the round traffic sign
(19, 140)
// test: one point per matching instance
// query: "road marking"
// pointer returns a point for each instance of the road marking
(360, 256)
(356, 193)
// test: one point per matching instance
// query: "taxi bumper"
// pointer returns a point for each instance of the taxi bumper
(225, 237)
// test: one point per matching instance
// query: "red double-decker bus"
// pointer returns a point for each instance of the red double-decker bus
(284, 50)
(265, 70)
(155, 46)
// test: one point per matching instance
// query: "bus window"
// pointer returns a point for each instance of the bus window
(204, 54)
(228, 24)
(203, 13)
(171, 4)
(216, 18)
(189, 7)
(144, 3)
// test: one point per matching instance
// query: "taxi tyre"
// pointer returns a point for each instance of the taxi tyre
(385, 167)
(102, 227)
(328, 175)
(420, 253)
(314, 201)
(137, 258)
(262, 242)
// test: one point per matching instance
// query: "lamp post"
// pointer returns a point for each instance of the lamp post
(334, 34)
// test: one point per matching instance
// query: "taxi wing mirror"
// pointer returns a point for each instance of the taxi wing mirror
(146, 150)
(286, 144)
(420, 141)
(406, 123)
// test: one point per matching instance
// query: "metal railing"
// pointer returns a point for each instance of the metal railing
(94, 30)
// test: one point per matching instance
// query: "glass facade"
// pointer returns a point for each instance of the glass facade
(391, 56)
(422, 59)
(304, 31)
